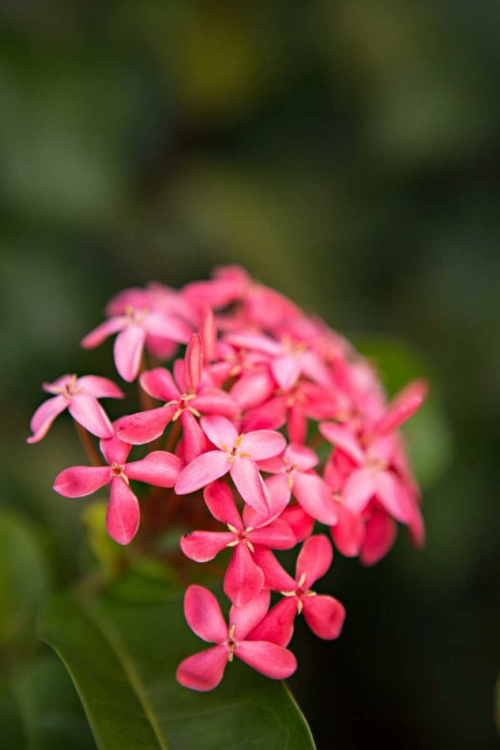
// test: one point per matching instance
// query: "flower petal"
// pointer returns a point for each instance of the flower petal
(393, 496)
(286, 370)
(128, 348)
(220, 431)
(325, 615)
(102, 331)
(195, 440)
(79, 481)
(343, 439)
(220, 503)
(246, 618)
(301, 456)
(277, 626)
(263, 444)
(166, 326)
(99, 387)
(314, 560)
(159, 468)
(203, 614)
(214, 401)
(44, 416)
(276, 535)
(349, 532)
(244, 580)
(404, 405)
(250, 485)
(299, 521)
(359, 489)
(253, 388)
(194, 363)
(145, 426)
(86, 410)
(269, 659)
(203, 671)
(276, 577)
(380, 535)
(114, 449)
(315, 496)
(201, 471)
(122, 516)
(202, 546)
(159, 384)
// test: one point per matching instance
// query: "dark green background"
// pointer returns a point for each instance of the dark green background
(348, 154)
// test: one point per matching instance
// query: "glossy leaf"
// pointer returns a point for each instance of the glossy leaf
(122, 657)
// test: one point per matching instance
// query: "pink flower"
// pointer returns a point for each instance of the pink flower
(205, 670)
(244, 579)
(186, 396)
(293, 471)
(133, 329)
(159, 468)
(79, 396)
(374, 478)
(237, 455)
(324, 614)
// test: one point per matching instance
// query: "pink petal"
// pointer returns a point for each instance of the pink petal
(167, 327)
(255, 342)
(194, 363)
(159, 468)
(101, 333)
(145, 426)
(159, 384)
(393, 496)
(416, 526)
(276, 577)
(301, 524)
(122, 516)
(80, 481)
(276, 535)
(114, 449)
(253, 388)
(128, 349)
(263, 444)
(55, 387)
(220, 503)
(195, 440)
(202, 546)
(201, 471)
(244, 580)
(249, 483)
(277, 625)
(203, 614)
(44, 416)
(297, 424)
(203, 671)
(315, 368)
(247, 617)
(403, 406)
(286, 370)
(380, 535)
(267, 658)
(349, 532)
(359, 489)
(215, 401)
(270, 415)
(90, 414)
(220, 431)
(315, 559)
(99, 387)
(315, 497)
(343, 439)
(325, 616)
(208, 333)
(301, 456)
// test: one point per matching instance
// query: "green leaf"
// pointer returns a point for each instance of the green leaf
(40, 710)
(122, 657)
(427, 433)
(24, 580)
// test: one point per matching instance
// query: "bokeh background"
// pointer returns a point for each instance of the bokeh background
(347, 153)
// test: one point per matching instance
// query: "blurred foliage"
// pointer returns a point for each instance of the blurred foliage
(345, 152)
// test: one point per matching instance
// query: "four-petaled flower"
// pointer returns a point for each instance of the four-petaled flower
(79, 396)
(159, 468)
(205, 670)
(236, 454)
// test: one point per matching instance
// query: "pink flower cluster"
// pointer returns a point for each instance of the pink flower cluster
(278, 424)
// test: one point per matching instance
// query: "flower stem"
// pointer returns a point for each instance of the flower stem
(89, 445)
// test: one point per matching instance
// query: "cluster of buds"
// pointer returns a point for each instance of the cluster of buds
(277, 423)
